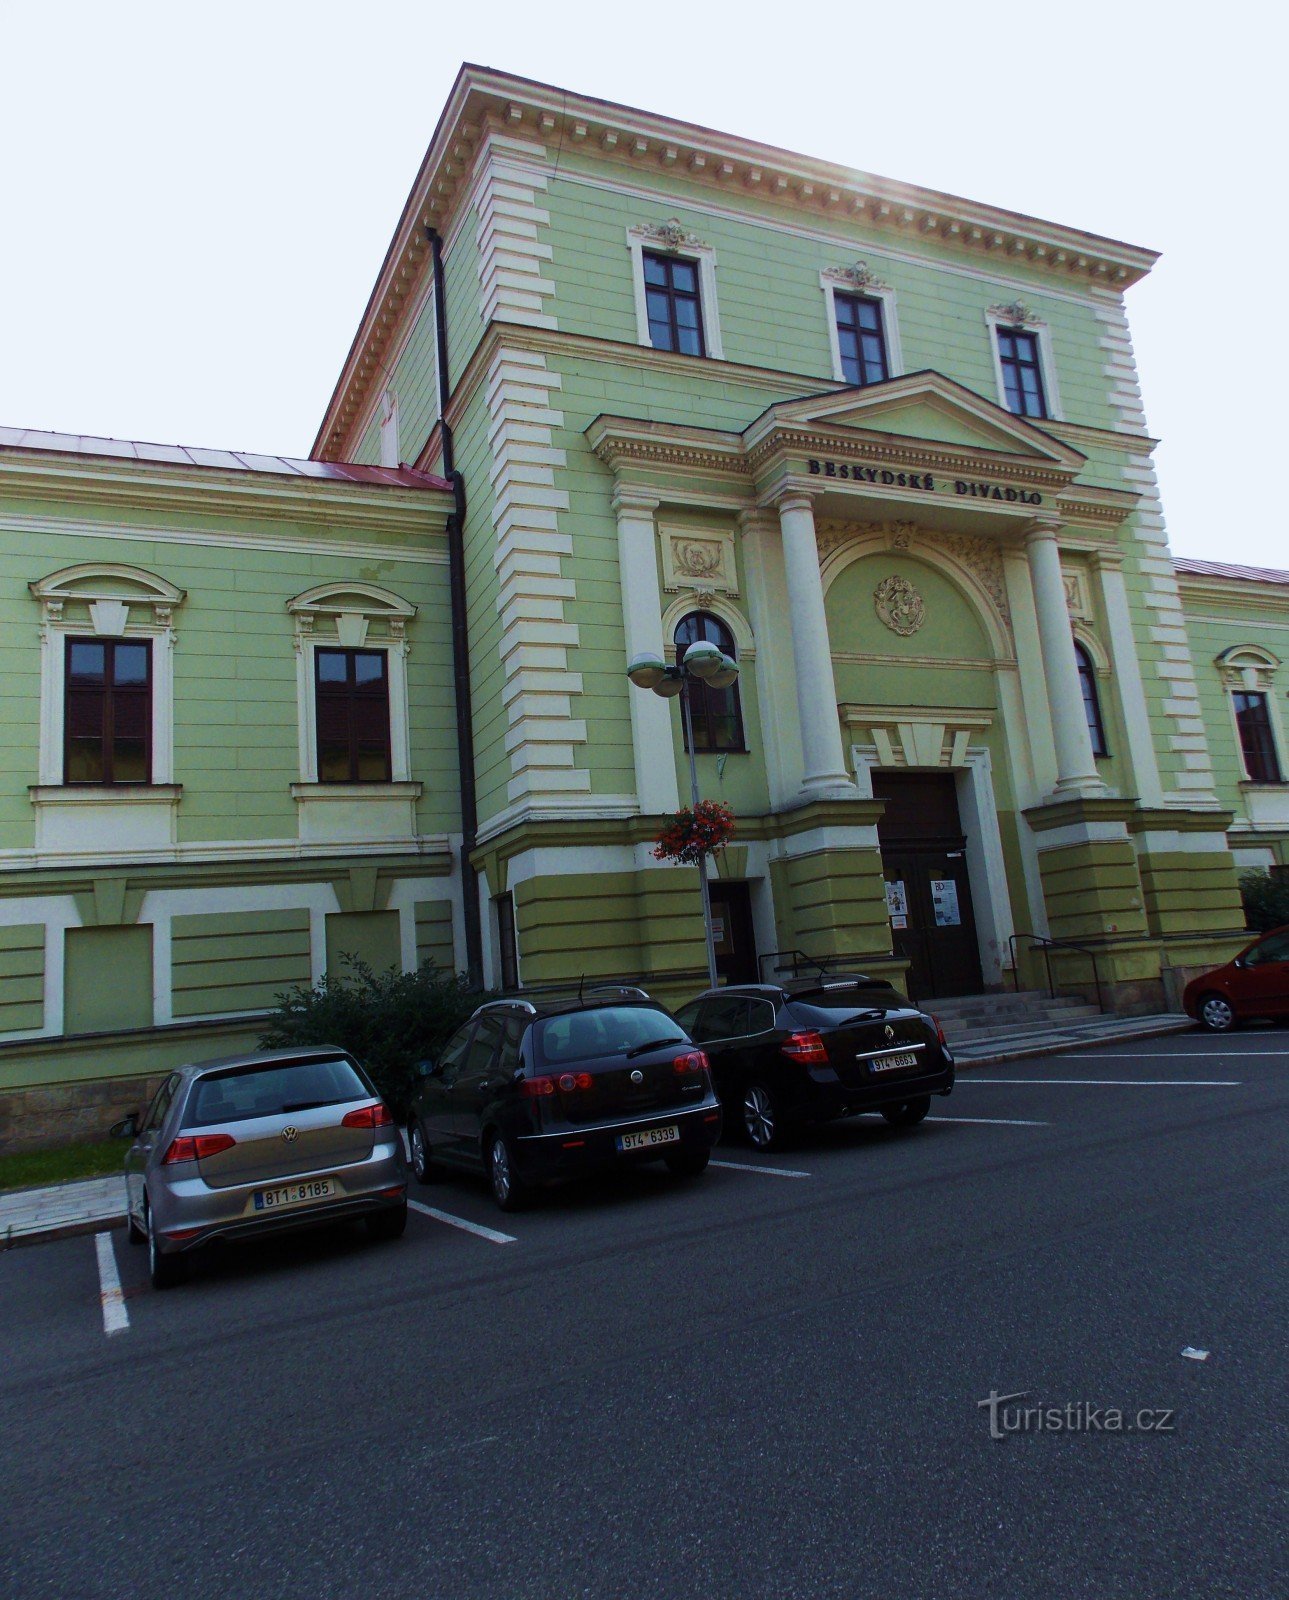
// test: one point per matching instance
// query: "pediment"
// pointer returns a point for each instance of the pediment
(922, 406)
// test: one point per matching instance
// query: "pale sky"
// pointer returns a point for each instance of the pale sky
(196, 199)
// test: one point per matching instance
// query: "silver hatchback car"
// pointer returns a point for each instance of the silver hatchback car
(248, 1145)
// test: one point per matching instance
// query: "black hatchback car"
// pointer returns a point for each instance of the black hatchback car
(813, 1049)
(539, 1087)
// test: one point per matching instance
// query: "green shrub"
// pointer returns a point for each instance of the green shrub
(1266, 899)
(388, 1021)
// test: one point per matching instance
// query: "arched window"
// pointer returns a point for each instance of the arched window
(1091, 703)
(717, 713)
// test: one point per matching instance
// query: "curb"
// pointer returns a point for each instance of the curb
(1024, 1052)
(10, 1240)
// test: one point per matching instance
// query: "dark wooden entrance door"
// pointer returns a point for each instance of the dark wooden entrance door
(734, 938)
(928, 893)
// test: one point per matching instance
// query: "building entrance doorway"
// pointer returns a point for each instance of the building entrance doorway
(732, 927)
(928, 892)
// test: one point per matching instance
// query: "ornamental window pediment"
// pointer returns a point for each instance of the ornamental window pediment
(107, 597)
(352, 612)
(1247, 667)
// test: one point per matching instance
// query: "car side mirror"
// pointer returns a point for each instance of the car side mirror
(127, 1128)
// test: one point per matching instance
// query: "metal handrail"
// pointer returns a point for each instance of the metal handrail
(792, 961)
(1038, 942)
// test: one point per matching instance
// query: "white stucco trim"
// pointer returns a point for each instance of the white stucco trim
(395, 651)
(646, 236)
(997, 317)
(833, 282)
(57, 913)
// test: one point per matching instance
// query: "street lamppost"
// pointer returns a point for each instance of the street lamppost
(702, 662)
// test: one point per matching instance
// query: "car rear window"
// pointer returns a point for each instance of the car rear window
(845, 1005)
(605, 1031)
(272, 1090)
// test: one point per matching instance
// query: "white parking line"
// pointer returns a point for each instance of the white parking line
(770, 1172)
(1215, 1049)
(116, 1319)
(1119, 1083)
(996, 1122)
(490, 1234)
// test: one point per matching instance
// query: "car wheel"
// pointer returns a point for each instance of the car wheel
(1216, 1013)
(759, 1115)
(907, 1113)
(391, 1224)
(687, 1163)
(507, 1190)
(165, 1271)
(419, 1145)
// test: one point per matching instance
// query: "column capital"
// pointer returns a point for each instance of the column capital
(1040, 529)
(756, 518)
(793, 498)
(631, 497)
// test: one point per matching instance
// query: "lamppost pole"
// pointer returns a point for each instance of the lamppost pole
(701, 663)
(704, 891)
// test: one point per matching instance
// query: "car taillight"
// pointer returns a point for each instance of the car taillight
(567, 1082)
(939, 1031)
(806, 1046)
(536, 1088)
(571, 1081)
(691, 1061)
(197, 1146)
(377, 1116)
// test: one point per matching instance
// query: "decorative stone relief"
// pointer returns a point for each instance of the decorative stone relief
(1018, 313)
(899, 605)
(671, 235)
(701, 559)
(1077, 600)
(982, 559)
(859, 276)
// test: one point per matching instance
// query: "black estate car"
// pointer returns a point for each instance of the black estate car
(537, 1087)
(811, 1049)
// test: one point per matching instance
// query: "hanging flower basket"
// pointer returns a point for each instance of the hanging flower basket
(692, 834)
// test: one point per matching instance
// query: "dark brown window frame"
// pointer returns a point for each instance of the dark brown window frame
(110, 692)
(1257, 736)
(1016, 364)
(672, 294)
(1091, 699)
(702, 709)
(855, 301)
(353, 698)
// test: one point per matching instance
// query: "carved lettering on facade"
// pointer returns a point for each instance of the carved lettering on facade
(899, 605)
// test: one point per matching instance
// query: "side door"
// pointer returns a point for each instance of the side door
(719, 1030)
(434, 1097)
(475, 1086)
(1262, 984)
(141, 1151)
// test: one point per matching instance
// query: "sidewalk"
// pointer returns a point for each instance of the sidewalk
(96, 1203)
(63, 1208)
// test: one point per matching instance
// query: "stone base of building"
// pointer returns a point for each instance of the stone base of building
(71, 1090)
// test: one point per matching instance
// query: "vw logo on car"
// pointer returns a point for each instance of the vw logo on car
(289, 1133)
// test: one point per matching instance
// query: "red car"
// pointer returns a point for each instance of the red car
(1255, 984)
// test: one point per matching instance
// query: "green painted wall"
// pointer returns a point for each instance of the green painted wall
(371, 936)
(108, 979)
(233, 961)
(434, 934)
(22, 978)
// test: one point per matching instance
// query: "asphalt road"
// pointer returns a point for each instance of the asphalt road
(755, 1385)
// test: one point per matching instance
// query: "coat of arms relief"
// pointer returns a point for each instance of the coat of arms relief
(899, 605)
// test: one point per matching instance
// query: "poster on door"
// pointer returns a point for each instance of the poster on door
(944, 902)
(897, 903)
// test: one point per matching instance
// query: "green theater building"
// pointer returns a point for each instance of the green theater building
(624, 383)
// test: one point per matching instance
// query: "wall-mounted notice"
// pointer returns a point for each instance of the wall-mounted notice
(897, 903)
(944, 901)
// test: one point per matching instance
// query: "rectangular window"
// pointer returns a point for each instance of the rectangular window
(1022, 373)
(108, 711)
(1257, 741)
(674, 307)
(861, 340)
(353, 716)
(508, 947)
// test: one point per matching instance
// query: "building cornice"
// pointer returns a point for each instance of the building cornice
(205, 492)
(484, 103)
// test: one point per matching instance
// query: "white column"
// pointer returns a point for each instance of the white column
(1076, 768)
(651, 734)
(823, 757)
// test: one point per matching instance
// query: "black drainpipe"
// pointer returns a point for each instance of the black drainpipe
(460, 633)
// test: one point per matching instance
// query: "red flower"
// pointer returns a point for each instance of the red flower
(694, 833)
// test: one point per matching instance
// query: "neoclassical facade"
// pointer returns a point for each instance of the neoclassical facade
(622, 384)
